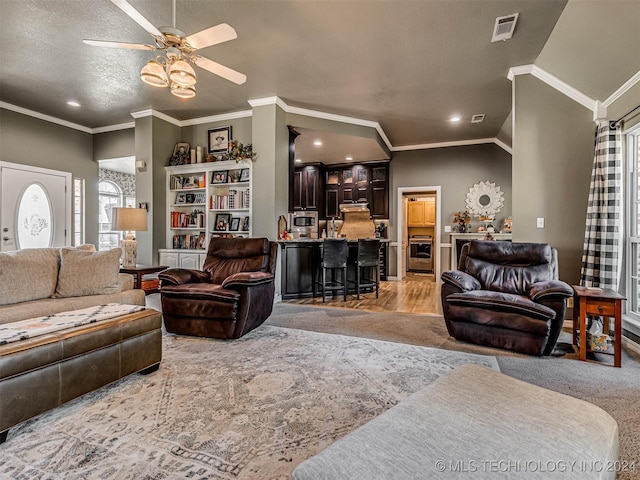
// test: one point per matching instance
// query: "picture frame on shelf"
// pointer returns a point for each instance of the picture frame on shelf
(235, 224)
(181, 154)
(144, 205)
(244, 175)
(222, 222)
(181, 198)
(234, 176)
(245, 224)
(219, 176)
(218, 139)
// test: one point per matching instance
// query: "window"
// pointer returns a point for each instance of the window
(110, 196)
(78, 211)
(633, 227)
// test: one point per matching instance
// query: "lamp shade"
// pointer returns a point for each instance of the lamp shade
(183, 91)
(129, 219)
(181, 72)
(154, 74)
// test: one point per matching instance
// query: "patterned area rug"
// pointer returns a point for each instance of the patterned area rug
(248, 409)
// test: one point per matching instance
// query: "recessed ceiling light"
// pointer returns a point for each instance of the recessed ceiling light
(298, 160)
(455, 118)
(318, 143)
(349, 158)
(73, 103)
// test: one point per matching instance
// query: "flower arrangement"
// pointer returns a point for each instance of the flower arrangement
(461, 220)
(238, 151)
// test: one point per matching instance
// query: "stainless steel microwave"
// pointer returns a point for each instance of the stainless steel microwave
(303, 220)
(303, 224)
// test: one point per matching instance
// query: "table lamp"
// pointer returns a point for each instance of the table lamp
(129, 219)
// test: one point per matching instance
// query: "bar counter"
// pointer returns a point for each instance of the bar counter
(301, 264)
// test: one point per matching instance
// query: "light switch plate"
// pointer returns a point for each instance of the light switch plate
(540, 222)
(447, 229)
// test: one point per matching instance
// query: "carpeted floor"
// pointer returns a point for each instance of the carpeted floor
(616, 390)
(248, 409)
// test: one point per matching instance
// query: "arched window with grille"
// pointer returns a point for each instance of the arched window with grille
(110, 195)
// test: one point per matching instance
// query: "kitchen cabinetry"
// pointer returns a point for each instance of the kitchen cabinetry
(204, 200)
(357, 184)
(421, 213)
(297, 269)
(307, 188)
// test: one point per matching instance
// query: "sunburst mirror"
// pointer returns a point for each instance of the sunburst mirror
(485, 199)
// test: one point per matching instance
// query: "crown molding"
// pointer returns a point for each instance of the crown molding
(216, 118)
(503, 146)
(113, 128)
(553, 81)
(623, 89)
(248, 113)
(457, 143)
(46, 118)
(258, 102)
(154, 113)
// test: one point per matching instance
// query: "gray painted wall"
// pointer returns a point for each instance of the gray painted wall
(155, 140)
(455, 169)
(116, 144)
(197, 134)
(270, 170)
(30, 141)
(552, 158)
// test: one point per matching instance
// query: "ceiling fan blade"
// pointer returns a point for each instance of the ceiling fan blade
(137, 17)
(212, 36)
(131, 46)
(221, 70)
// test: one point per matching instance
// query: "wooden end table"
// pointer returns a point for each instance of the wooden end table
(138, 271)
(602, 302)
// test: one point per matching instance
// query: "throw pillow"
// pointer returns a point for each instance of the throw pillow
(29, 274)
(88, 273)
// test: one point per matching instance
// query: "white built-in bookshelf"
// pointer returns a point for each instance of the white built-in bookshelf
(205, 200)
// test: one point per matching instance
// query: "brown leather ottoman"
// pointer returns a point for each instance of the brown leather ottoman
(43, 372)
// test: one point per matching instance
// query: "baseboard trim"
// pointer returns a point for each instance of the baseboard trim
(631, 345)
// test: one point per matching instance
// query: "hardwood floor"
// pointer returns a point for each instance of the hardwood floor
(417, 293)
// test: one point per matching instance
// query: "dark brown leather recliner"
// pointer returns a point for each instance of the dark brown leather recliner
(230, 296)
(506, 295)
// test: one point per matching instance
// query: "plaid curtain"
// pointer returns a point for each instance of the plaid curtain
(602, 253)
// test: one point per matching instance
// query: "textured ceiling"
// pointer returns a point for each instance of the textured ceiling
(406, 64)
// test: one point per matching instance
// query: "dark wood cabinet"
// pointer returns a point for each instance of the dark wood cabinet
(297, 269)
(307, 188)
(357, 184)
(379, 193)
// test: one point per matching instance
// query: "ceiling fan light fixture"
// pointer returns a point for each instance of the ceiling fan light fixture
(183, 91)
(153, 74)
(181, 72)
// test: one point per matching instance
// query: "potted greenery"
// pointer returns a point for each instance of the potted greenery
(238, 151)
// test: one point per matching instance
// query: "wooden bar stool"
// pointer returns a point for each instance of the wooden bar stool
(334, 256)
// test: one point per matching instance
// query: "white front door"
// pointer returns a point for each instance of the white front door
(36, 207)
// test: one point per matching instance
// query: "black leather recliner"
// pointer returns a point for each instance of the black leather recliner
(506, 295)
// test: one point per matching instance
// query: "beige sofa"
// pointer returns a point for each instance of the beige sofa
(41, 281)
(43, 372)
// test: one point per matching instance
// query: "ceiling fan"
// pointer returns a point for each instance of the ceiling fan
(172, 68)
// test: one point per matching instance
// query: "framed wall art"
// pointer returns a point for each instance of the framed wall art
(218, 139)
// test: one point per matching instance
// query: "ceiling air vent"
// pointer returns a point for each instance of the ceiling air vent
(504, 27)
(479, 118)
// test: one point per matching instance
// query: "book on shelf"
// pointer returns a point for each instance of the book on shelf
(194, 219)
(179, 182)
(194, 241)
